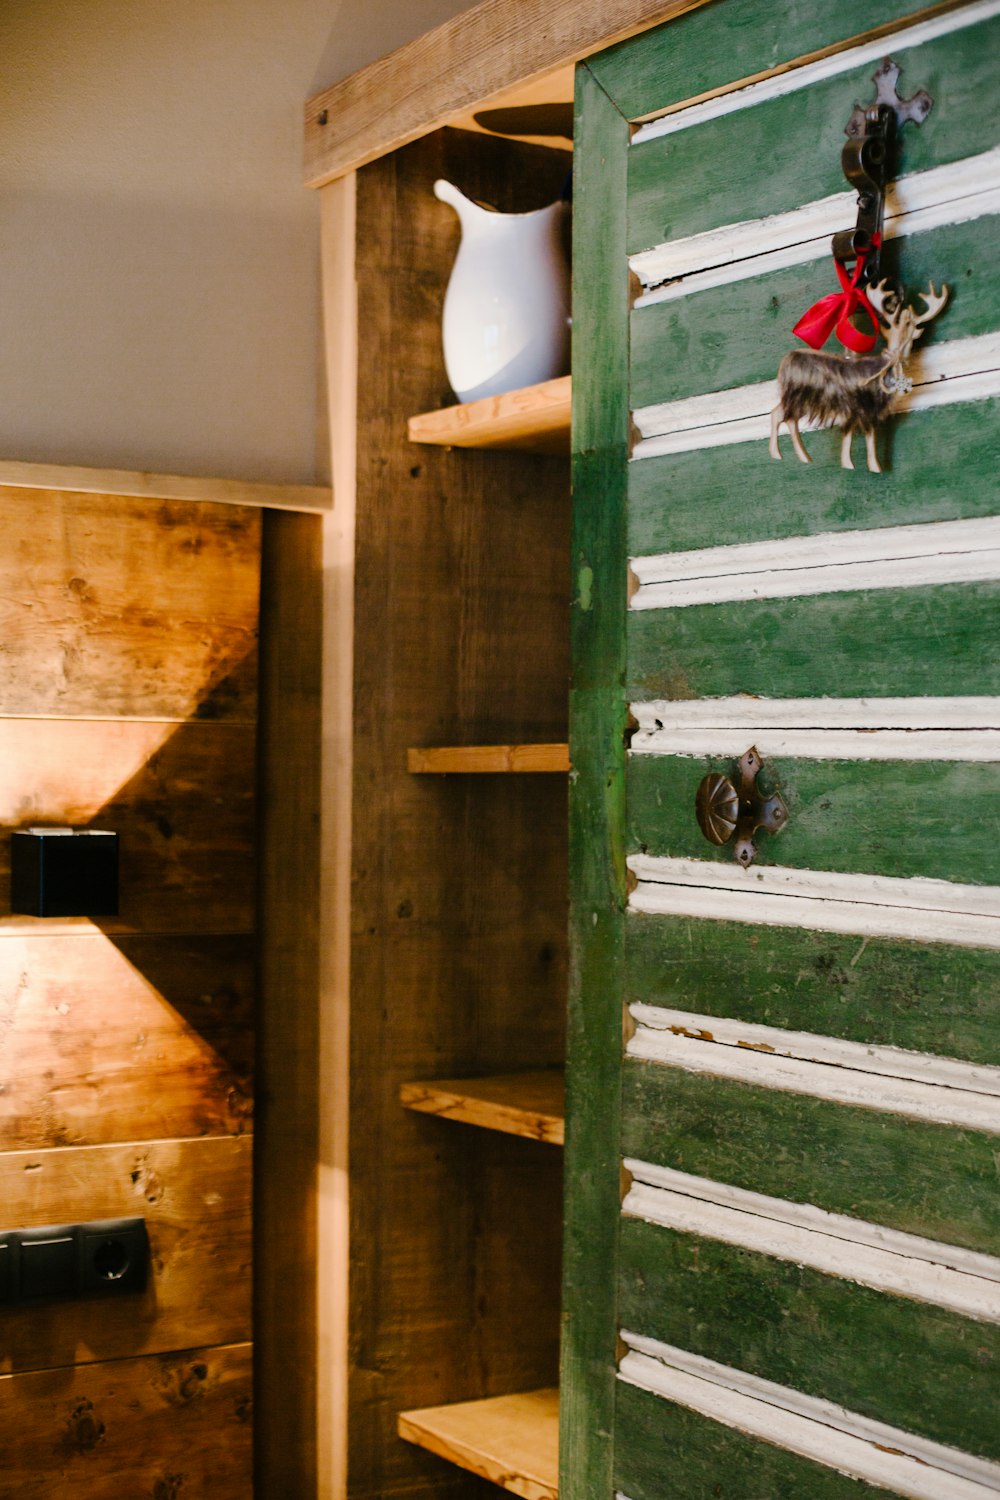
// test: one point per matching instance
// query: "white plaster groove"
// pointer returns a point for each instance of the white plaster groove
(925, 729)
(806, 75)
(659, 1025)
(887, 1457)
(831, 562)
(962, 370)
(827, 744)
(973, 1266)
(954, 194)
(746, 713)
(829, 1248)
(836, 1083)
(928, 911)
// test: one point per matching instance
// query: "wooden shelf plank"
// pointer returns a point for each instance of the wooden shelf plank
(535, 418)
(31, 476)
(511, 1440)
(528, 1104)
(439, 759)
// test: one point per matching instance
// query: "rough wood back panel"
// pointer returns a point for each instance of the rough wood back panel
(459, 910)
(193, 1195)
(112, 607)
(172, 1426)
(128, 635)
(165, 1028)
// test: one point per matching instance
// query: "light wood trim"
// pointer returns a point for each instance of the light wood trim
(487, 758)
(535, 418)
(23, 476)
(528, 1104)
(340, 324)
(511, 1440)
(463, 64)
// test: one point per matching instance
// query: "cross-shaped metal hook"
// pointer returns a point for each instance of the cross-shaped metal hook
(867, 160)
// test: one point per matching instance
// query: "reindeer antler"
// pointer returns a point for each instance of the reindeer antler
(934, 301)
(886, 302)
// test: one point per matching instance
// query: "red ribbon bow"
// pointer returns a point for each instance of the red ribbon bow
(833, 313)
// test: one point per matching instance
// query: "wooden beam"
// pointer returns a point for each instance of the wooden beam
(288, 1020)
(535, 418)
(464, 63)
(24, 476)
(487, 758)
(511, 1440)
(340, 325)
(528, 1104)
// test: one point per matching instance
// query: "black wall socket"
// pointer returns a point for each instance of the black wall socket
(103, 1258)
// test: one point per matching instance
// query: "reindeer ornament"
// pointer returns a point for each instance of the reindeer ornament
(852, 393)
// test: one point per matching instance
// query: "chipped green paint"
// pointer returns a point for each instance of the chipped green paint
(906, 1363)
(596, 814)
(926, 997)
(923, 1178)
(737, 334)
(884, 643)
(585, 587)
(702, 178)
(673, 502)
(896, 818)
(912, 1175)
(668, 1453)
(703, 50)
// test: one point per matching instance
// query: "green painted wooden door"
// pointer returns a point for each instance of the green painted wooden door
(783, 1155)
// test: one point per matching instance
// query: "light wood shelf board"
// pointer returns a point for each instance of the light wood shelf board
(140, 485)
(511, 1440)
(439, 759)
(535, 418)
(528, 1104)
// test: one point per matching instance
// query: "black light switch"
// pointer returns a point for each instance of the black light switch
(48, 1265)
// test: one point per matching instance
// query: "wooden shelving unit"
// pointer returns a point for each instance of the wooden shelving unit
(511, 1440)
(440, 759)
(535, 419)
(527, 1104)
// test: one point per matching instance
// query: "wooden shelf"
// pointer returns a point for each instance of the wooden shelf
(511, 1440)
(438, 759)
(535, 418)
(528, 1104)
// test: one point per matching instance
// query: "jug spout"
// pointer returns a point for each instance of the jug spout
(463, 206)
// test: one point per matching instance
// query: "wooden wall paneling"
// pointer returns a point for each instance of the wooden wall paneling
(142, 1038)
(128, 631)
(194, 1195)
(181, 796)
(458, 944)
(170, 1426)
(288, 1021)
(104, 604)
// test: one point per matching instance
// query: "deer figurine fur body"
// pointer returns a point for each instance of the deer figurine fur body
(854, 394)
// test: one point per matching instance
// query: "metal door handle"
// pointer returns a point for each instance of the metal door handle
(725, 810)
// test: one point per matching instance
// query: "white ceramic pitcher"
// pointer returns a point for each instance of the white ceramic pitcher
(506, 311)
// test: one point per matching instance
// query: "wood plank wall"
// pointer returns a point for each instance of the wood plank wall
(128, 701)
(459, 946)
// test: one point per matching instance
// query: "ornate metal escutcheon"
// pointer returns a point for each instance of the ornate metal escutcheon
(724, 809)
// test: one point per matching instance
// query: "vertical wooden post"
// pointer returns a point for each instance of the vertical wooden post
(337, 210)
